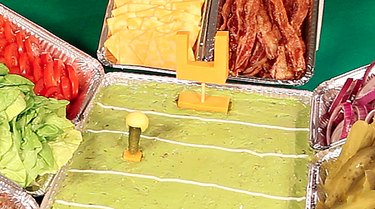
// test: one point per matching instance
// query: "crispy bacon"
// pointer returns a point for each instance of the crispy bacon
(267, 34)
(225, 14)
(280, 69)
(295, 47)
(297, 12)
(257, 61)
(265, 37)
(246, 41)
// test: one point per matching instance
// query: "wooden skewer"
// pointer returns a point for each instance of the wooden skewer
(203, 93)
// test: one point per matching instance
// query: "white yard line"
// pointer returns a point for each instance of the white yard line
(203, 119)
(188, 182)
(251, 152)
(63, 202)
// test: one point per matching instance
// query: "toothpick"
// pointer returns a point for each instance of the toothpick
(203, 95)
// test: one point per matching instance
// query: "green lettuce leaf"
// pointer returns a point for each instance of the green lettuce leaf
(35, 136)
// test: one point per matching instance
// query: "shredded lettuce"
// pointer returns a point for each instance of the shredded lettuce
(35, 136)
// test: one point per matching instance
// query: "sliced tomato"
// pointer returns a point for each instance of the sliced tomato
(58, 96)
(58, 69)
(30, 77)
(45, 58)
(2, 59)
(53, 90)
(66, 87)
(3, 43)
(48, 75)
(24, 64)
(39, 86)
(11, 55)
(20, 37)
(73, 80)
(14, 70)
(8, 32)
(37, 69)
(32, 47)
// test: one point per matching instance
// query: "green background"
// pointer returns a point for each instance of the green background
(347, 39)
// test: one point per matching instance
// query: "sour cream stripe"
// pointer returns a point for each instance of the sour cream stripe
(265, 154)
(189, 182)
(204, 119)
(63, 202)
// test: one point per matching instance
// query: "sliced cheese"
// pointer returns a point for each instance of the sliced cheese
(143, 31)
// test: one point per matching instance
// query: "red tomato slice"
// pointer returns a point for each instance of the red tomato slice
(3, 43)
(11, 55)
(8, 32)
(46, 58)
(20, 36)
(51, 91)
(66, 87)
(73, 80)
(32, 47)
(2, 59)
(59, 96)
(48, 75)
(59, 68)
(39, 86)
(14, 70)
(37, 69)
(24, 64)
(2, 20)
(30, 77)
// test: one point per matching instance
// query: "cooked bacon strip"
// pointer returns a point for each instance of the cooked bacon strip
(280, 69)
(267, 34)
(225, 13)
(299, 13)
(295, 47)
(257, 60)
(246, 41)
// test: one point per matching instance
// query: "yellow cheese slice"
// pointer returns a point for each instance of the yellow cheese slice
(119, 3)
(125, 21)
(192, 7)
(130, 8)
(119, 45)
(140, 44)
(153, 56)
(145, 30)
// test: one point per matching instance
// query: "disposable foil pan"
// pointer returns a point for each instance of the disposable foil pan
(129, 79)
(17, 195)
(310, 38)
(89, 72)
(317, 174)
(204, 49)
(322, 98)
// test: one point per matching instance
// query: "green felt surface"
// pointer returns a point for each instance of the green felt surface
(347, 40)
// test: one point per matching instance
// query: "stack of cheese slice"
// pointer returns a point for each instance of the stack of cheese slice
(142, 32)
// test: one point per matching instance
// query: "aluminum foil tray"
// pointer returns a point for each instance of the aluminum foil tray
(129, 78)
(204, 50)
(317, 174)
(89, 72)
(322, 98)
(17, 195)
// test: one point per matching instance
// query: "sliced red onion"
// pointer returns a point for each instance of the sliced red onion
(345, 109)
(348, 119)
(339, 97)
(336, 135)
(370, 116)
(366, 98)
(361, 112)
(356, 89)
(368, 82)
